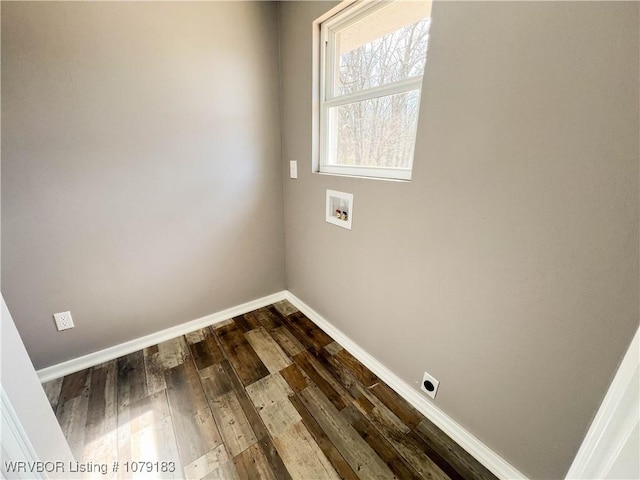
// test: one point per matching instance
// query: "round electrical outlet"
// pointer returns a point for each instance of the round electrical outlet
(429, 385)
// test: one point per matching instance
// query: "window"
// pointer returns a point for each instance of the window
(371, 66)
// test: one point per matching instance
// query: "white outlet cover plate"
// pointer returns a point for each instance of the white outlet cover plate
(293, 169)
(63, 320)
(435, 383)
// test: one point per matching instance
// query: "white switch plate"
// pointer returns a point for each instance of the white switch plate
(293, 169)
(63, 320)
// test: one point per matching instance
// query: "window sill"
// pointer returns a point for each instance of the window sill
(361, 177)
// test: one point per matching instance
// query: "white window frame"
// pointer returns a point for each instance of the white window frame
(327, 142)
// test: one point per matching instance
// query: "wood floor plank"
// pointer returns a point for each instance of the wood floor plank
(416, 454)
(240, 354)
(341, 373)
(377, 442)
(398, 405)
(294, 378)
(287, 341)
(173, 352)
(307, 332)
(406, 442)
(222, 323)
(333, 348)
(362, 373)
(74, 385)
(338, 462)
(360, 456)
(252, 464)
(303, 361)
(274, 459)
(132, 378)
(452, 453)
(198, 336)
(246, 322)
(266, 318)
(285, 307)
(101, 439)
(226, 471)
(206, 352)
(302, 456)
(52, 389)
(154, 370)
(166, 446)
(363, 403)
(270, 396)
(272, 356)
(196, 430)
(215, 381)
(331, 388)
(376, 407)
(207, 463)
(145, 411)
(124, 435)
(72, 413)
(249, 409)
(151, 433)
(234, 427)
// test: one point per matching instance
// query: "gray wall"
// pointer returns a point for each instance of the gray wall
(508, 266)
(28, 401)
(141, 182)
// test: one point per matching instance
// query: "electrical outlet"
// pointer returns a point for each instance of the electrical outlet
(429, 385)
(63, 320)
(293, 169)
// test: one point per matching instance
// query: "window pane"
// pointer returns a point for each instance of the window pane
(379, 132)
(388, 45)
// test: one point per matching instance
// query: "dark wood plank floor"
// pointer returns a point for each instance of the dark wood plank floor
(266, 395)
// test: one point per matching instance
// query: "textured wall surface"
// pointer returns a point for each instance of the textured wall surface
(141, 182)
(508, 266)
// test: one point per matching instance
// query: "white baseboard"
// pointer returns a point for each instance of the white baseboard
(111, 353)
(490, 459)
(615, 421)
